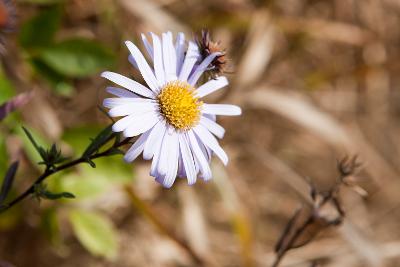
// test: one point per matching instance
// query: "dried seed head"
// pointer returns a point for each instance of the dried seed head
(7, 15)
(7, 18)
(207, 47)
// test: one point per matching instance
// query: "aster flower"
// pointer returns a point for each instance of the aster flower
(177, 130)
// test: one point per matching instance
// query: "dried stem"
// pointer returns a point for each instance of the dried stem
(149, 214)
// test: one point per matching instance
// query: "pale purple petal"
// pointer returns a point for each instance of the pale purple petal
(221, 109)
(121, 92)
(136, 148)
(169, 56)
(127, 83)
(157, 153)
(148, 46)
(144, 68)
(156, 134)
(211, 86)
(158, 60)
(140, 124)
(201, 68)
(137, 109)
(200, 156)
(187, 159)
(180, 51)
(117, 101)
(172, 159)
(192, 54)
(209, 140)
(212, 126)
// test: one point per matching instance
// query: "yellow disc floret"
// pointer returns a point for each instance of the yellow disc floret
(179, 105)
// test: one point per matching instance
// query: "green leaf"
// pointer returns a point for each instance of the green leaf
(38, 148)
(95, 232)
(8, 181)
(58, 82)
(77, 57)
(100, 140)
(79, 137)
(39, 31)
(30, 150)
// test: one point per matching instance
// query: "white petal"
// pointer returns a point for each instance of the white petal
(212, 126)
(129, 109)
(123, 123)
(133, 62)
(121, 92)
(164, 153)
(200, 156)
(187, 159)
(191, 57)
(157, 153)
(144, 68)
(221, 109)
(148, 47)
(136, 148)
(209, 140)
(180, 51)
(201, 68)
(156, 134)
(117, 101)
(172, 159)
(140, 124)
(210, 116)
(127, 83)
(169, 56)
(158, 60)
(211, 86)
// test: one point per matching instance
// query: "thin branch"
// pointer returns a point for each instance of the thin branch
(50, 171)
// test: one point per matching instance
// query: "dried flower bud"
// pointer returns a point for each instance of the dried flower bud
(7, 17)
(207, 47)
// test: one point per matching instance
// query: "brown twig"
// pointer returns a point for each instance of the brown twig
(325, 211)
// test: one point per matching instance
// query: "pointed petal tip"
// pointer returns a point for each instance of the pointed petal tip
(127, 160)
(104, 74)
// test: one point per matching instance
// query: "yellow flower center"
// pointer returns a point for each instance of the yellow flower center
(179, 106)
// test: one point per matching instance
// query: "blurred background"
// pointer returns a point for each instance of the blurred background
(317, 80)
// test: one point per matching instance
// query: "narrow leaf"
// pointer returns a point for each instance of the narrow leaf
(8, 181)
(98, 141)
(39, 149)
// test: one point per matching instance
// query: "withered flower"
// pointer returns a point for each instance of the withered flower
(7, 18)
(324, 212)
(207, 47)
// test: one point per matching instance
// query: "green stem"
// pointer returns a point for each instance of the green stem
(48, 172)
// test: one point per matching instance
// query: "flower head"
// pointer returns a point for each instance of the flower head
(207, 47)
(177, 130)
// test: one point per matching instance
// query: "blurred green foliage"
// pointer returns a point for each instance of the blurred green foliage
(60, 61)
(95, 232)
(7, 90)
(77, 57)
